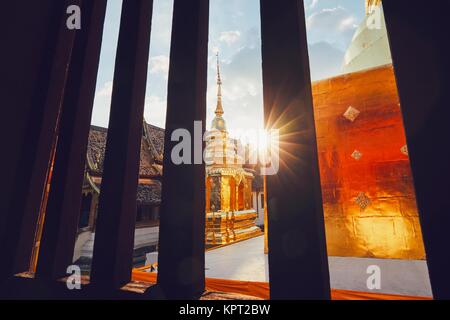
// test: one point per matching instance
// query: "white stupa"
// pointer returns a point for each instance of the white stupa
(370, 45)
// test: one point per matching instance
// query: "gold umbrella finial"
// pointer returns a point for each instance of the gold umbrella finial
(370, 4)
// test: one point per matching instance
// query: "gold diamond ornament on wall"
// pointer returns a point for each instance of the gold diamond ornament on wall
(357, 155)
(404, 150)
(362, 200)
(351, 114)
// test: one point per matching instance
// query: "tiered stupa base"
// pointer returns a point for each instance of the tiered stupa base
(228, 227)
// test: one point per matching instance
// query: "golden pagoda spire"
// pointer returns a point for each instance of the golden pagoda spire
(370, 4)
(219, 108)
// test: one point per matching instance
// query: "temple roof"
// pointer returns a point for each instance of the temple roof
(155, 139)
(152, 150)
(149, 194)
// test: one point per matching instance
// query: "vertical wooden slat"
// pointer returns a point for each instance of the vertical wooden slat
(114, 238)
(34, 65)
(182, 230)
(298, 265)
(418, 34)
(64, 203)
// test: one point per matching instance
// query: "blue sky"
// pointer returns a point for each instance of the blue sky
(235, 32)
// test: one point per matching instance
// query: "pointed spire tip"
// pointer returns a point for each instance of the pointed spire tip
(219, 109)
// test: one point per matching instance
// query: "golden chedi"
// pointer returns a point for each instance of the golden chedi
(230, 215)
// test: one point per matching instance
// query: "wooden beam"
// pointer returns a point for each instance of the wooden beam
(34, 66)
(64, 202)
(417, 33)
(298, 264)
(114, 238)
(182, 230)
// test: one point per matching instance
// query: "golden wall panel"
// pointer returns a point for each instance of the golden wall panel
(231, 217)
(215, 191)
(226, 194)
(368, 194)
(248, 194)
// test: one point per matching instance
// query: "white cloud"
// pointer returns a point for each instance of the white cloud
(325, 60)
(215, 50)
(102, 105)
(161, 26)
(335, 25)
(106, 90)
(348, 24)
(155, 111)
(331, 19)
(159, 65)
(242, 89)
(313, 4)
(230, 37)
